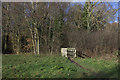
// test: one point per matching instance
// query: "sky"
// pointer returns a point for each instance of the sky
(114, 5)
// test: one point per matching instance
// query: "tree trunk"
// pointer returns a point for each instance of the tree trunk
(38, 45)
(50, 38)
(36, 40)
(88, 19)
(18, 45)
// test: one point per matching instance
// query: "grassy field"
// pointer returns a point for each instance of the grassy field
(55, 66)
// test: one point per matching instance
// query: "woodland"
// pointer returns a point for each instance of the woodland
(46, 27)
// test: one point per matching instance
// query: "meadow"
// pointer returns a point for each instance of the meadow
(56, 66)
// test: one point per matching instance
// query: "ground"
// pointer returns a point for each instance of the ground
(55, 66)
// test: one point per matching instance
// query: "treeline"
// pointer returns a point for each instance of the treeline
(46, 27)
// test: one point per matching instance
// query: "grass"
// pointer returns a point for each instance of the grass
(55, 66)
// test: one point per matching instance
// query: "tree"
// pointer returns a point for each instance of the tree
(97, 14)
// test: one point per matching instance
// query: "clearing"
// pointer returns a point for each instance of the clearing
(55, 66)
